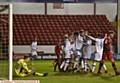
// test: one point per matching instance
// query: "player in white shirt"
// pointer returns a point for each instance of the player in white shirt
(99, 44)
(87, 52)
(34, 49)
(67, 48)
(78, 44)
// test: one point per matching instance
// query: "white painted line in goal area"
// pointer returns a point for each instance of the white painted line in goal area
(10, 42)
(20, 81)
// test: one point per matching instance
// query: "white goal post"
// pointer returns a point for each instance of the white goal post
(118, 26)
(10, 49)
(10, 42)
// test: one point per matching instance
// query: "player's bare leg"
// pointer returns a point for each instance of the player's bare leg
(114, 67)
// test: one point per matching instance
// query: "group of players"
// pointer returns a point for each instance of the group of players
(76, 52)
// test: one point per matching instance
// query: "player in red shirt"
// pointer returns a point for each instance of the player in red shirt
(58, 51)
(107, 53)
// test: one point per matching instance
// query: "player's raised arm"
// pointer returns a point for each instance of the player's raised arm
(91, 37)
(105, 35)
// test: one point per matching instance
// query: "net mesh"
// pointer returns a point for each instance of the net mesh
(4, 39)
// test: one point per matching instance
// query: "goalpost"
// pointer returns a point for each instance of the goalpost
(10, 42)
(118, 25)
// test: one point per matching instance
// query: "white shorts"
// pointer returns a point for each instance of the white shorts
(67, 61)
(71, 52)
(77, 53)
(67, 54)
(87, 52)
(98, 56)
(34, 53)
(76, 59)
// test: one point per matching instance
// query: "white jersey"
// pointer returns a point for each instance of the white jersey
(99, 48)
(99, 45)
(78, 43)
(87, 49)
(67, 47)
(34, 48)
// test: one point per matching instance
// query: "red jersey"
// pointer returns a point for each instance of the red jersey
(107, 44)
(58, 50)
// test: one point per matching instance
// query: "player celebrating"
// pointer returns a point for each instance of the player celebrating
(21, 69)
(107, 53)
(67, 48)
(34, 49)
(99, 43)
(87, 52)
(78, 39)
(58, 52)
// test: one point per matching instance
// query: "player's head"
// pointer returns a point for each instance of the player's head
(111, 34)
(26, 58)
(76, 33)
(82, 32)
(86, 32)
(66, 36)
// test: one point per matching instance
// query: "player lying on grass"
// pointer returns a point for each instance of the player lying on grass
(21, 68)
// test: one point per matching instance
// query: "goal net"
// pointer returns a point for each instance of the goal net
(4, 41)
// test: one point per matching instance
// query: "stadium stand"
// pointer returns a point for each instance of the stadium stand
(50, 28)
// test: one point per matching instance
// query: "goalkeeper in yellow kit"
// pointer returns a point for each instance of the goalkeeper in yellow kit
(22, 69)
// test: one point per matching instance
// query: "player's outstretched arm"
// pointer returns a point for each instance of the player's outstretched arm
(91, 37)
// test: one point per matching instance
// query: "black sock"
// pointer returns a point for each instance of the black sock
(114, 67)
(100, 66)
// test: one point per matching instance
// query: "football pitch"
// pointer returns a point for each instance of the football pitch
(65, 77)
(70, 77)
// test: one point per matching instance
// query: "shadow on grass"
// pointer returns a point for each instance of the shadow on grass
(70, 74)
(103, 76)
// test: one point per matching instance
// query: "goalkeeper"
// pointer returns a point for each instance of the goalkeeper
(21, 69)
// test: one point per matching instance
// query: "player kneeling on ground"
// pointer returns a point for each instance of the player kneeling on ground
(21, 69)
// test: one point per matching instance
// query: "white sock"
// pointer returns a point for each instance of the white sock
(82, 64)
(75, 64)
(93, 66)
(63, 63)
(104, 66)
(65, 67)
(86, 67)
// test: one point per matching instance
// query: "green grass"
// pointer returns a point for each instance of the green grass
(4, 69)
(69, 77)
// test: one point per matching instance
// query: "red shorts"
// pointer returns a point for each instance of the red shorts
(107, 55)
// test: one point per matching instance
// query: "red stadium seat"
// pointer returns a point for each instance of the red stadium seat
(50, 28)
